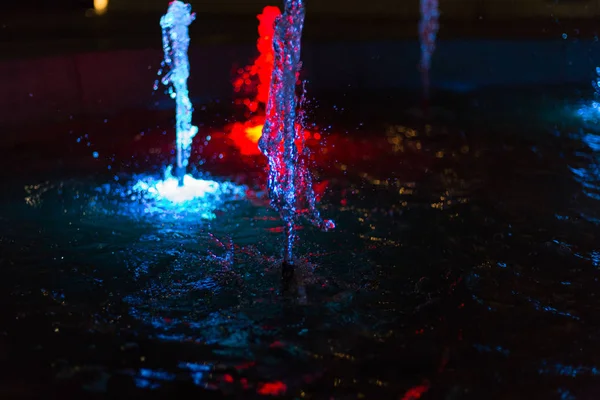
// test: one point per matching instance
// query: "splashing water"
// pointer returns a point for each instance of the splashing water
(182, 191)
(282, 141)
(428, 28)
(150, 197)
(590, 111)
(176, 41)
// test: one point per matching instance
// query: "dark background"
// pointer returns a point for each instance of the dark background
(59, 59)
(45, 5)
(464, 9)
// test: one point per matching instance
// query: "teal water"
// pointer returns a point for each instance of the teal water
(464, 263)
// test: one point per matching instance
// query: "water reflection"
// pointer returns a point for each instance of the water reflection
(139, 196)
(587, 169)
(457, 261)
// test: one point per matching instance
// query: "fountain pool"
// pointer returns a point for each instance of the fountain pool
(465, 257)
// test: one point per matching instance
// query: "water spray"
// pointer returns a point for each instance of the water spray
(176, 41)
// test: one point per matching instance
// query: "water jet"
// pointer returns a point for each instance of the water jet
(176, 41)
(282, 141)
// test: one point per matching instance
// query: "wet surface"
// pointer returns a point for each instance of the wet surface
(464, 263)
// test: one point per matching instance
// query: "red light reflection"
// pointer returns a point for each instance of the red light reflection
(416, 392)
(252, 84)
(272, 389)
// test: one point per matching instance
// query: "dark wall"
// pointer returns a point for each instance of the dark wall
(102, 83)
(35, 6)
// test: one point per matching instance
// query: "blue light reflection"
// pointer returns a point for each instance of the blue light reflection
(150, 196)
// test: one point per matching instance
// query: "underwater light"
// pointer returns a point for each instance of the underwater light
(192, 189)
(197, 198)
(169, 189)
(590, 111)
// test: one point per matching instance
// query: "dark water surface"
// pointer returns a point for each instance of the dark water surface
(464, 264)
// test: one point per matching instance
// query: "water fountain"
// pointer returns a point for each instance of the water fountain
(428, 28)
(180, 192)
(176, 41)
(447, 237)
(289, 181)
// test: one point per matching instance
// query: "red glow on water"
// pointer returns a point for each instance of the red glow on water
(272, 389)
(281, 229)
(245, 135)
(246, 365)
(253, 84)
(416, 392)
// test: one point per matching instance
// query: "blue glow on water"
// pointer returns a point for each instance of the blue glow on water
(199, 197)
(168, 189)
(590, 112)
(149, 379)
(197, 371)
(176, 41)
(567, 370)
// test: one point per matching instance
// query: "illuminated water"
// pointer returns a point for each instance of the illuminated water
(282, 141)
(176, 41)
(464, 263)
(428, 29)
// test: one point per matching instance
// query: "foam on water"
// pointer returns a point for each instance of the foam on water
(197, 198)
(169, 189)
